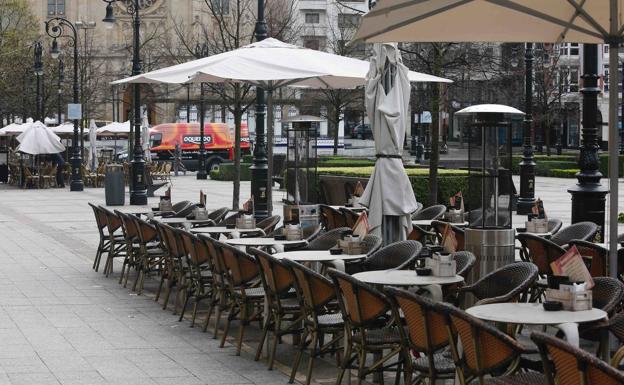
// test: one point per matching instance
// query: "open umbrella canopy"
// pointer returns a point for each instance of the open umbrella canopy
(389, 191)
(115, 128)
(270, 64)
(66, 128)
(39, 139)
(15, 128)
(491, 21)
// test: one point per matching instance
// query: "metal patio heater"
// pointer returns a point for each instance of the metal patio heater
(489, 235)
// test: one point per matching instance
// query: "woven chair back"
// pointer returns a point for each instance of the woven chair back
(431, 212)
(327, 240)
(315, 289)
(278, 277)
(146, 231)
(540, 251)
(100, 218)
(362, 304)
(113, 222)
(584, 231)
(240, 268)
(268, 224)
(332, 217)
(512, 279)
(128, 226)
(398, 255)
(595, 257)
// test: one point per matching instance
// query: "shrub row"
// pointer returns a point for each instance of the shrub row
(226, 171)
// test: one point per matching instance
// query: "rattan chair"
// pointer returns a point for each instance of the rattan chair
(177, 209)
(372, 243)
(117, 242)
(569, 365)
(331, 218)
(582, 231)
(104, 241)
(218, 215)
(398, 255)
(150, 253)
(245, 298)
(425, 335)
(431, 212)
(439, 226)
(541, 252)
(326, 240)
(368, 329)
(284, 313)
(505, 284)
(607, 295)
(595, 256)
(554, 225)
(131, 237)
(321, 317)
(219, 290)
(173, 270)
(485, 350)
(267, 225)
(616, 327)
(464, 262)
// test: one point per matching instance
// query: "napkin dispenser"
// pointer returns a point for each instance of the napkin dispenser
(351, 245)
(442, 265)
(246, 222)
(573, 297)
(455, 216)
(293, 232)
(536, 225)
(165, 204)
(200, 213)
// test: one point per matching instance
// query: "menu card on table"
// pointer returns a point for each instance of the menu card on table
(571, 264)
(361, 225)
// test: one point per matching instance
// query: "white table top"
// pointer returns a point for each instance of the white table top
(532, 314)
(316, 256)
(262, 242)
(176, 220)
(404, 278)
(353, 208)
(222, 230)
(547, 234)
(427, 222)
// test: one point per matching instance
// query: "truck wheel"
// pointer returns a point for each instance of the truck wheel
(212, 164)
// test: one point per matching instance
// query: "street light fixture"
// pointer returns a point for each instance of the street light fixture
(138, 188)
(526, 200)
(38, 69)
(57, 28)
(55, 52)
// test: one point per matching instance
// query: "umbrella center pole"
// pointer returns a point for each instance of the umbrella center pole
(391, 229)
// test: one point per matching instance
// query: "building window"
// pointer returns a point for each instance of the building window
(569, 49)
(220, 7)
(348, 20)
(56, 7)
(312, 18)
(312, 43)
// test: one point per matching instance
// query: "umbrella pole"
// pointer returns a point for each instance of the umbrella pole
(270, 130)
(391, 229)
(613, 159)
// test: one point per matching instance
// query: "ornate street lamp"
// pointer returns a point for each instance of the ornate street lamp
(57, 28)
(526, 200)
(138, 188)
(260, 168)
(201, 50)
(59, 101)
(38, 69)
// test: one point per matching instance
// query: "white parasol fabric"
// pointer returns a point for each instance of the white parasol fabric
(115, 128)
(271, 64)
(389, 191)
(39, 139)
(145, 138)
(66, 128)
(93, 156)
(16, 128)
(551, 21)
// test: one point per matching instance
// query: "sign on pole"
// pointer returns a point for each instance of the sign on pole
(74, 111)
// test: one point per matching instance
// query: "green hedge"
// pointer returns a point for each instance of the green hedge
(564, 173)
(226, 172)
(365, 172)
(604, 165)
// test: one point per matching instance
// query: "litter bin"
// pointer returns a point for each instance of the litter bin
(114, 186)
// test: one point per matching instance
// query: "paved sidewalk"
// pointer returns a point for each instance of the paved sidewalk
(60, 322)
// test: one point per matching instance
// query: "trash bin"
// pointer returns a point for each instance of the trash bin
(114, 186)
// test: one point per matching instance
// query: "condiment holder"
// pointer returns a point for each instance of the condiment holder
(246, 222)
(351, 244)
(442, 265)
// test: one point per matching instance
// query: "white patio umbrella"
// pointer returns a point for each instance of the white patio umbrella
(145, 138)
(552, 21)
(115, 128)
(388, 194)
(39, 139)
(93, 157)
(66, 128)
(16, 128)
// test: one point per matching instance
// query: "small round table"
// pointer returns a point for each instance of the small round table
(224, 230)
(430, 283)
(534, 314)
(337, 260)
(263, 242)
(175, 221)
(427, 223)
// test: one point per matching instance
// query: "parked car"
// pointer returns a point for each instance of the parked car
(362, 131)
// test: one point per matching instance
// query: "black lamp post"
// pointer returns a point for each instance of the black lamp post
(38, 68)
(588, 195)
(201, 50)
(526, 200)
(56, 28)
(59, 100)
(138, 188)
(260, 168)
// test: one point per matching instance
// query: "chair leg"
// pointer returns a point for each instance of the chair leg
(297, 360)
(183, 310)
(160, 286)
(312, 354)
(276, 338)
(346, 361)
(167, 293)
(226, 330)
(361, 365)
(241, 330)
(265, 331)
(123, 270)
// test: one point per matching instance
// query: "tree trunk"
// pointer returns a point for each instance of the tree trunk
(336, 128)
(237, 149)
(546, 132)
(434, 159)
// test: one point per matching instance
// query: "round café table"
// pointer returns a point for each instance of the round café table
(392, 277)
(338, 260)
(175, 221)
(224, 230)
(534, 314)
(278, 245)
(427, 223)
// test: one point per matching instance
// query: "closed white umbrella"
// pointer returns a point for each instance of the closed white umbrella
(553, 21)
(39, 139)
(92, 144)
(388, 194)
(145, 138)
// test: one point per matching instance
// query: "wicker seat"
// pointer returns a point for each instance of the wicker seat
(316, 293)
(486, 351)
(327, 240)
(505, 284)
(595, 257)
(398, 255)
(519, 378)
(364, 311)
(582, 231)
(278, 280)
(331, 218)
(569, 365)
(426, 335)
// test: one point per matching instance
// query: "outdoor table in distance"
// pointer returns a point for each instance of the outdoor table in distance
(427, 222)
(522, 230)
(534, 314)
(408, 278)
(352, 208)
(180, 221)
(224, 230)
(264, 242)
(337, 260)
